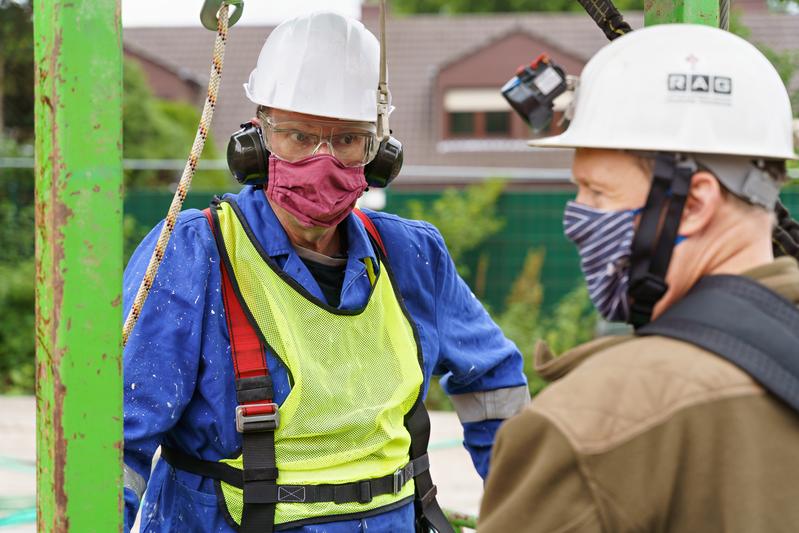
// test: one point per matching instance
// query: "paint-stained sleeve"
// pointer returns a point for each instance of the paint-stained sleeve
(160, 361)
(481, 369)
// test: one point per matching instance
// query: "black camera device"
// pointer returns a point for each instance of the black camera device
(534, 88)
(248, 159)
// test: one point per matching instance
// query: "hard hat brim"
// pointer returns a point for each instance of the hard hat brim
(564, 140)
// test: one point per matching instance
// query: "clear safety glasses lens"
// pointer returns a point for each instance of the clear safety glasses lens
(352, 144)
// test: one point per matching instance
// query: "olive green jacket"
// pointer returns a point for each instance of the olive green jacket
(648, 434)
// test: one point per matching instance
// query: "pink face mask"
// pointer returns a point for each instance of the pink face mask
(319, 191)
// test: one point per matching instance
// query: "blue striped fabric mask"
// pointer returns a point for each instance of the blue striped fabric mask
(604, 241)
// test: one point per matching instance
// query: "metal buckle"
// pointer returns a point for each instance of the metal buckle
(208, 13)
(402, 476)
(263, 422)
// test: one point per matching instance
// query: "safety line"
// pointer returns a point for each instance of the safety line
(25, 516)
(188, 174)
(17, 465)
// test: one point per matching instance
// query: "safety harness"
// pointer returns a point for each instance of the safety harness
(257, 418)
(656, 234)
(764, 345)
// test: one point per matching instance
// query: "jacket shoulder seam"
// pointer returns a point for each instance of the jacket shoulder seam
(588, 446)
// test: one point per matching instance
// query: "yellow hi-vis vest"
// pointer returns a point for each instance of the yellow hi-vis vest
(355, 375)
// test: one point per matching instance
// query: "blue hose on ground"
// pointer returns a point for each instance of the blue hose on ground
(19, 510)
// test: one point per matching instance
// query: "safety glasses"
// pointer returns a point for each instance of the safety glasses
(352, 143)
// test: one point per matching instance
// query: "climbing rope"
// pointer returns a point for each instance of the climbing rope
(188, 173)
(607, 17)
(724, 15)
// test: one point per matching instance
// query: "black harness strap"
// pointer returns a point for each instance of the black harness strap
(745, 323)
(257, 416)
(359, 491)
(417, 421)
(428, 512)
(654, 239)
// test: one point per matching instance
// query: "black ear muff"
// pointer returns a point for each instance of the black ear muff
(386, 165)
(247, 156)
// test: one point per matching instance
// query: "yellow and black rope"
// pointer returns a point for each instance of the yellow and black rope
(607, 17)
(188, 174)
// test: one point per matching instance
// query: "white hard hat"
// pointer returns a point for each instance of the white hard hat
(681, 88)
(320, 64)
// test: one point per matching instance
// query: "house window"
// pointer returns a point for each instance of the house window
(477, 113)
(462, 124)
(497, 124)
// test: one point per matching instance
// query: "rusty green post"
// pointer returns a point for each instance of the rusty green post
(691, 11)
(78, 265)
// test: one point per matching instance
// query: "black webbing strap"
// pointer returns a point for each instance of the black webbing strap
(428, 512)
(258, 455)
(656, 234)
(417, 421)
(607, 17)
(359, 491)
(256, 415)
(744, 322)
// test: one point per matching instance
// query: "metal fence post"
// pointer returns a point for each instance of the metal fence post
(691, 11)
(78, 54)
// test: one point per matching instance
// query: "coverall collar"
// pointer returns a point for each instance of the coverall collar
(273, 238)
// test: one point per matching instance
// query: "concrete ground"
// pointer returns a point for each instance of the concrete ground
(459, 486)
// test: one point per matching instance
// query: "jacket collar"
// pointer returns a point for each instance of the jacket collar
(781, 276)
(273, 238)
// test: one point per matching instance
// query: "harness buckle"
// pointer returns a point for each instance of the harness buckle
(402, 476)
(264, 421)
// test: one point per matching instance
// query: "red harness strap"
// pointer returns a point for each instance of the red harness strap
(247, 351)
(371, 229)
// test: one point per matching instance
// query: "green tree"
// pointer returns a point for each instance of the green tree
(465, 218)
(16, 69)
(499, 6)
(572, 321)
(160, 129)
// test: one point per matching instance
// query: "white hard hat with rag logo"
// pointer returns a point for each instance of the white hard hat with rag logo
(681, 88)
(320, 64)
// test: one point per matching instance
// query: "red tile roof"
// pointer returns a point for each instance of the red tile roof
(418, 48)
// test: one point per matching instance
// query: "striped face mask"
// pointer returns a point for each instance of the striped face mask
(604, 240)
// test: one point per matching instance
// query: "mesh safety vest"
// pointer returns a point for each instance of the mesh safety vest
(355, 376)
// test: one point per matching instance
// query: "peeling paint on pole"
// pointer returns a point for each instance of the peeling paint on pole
(78, 265)
(691, 11)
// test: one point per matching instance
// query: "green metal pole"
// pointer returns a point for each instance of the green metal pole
(691, 11)
(78, 265)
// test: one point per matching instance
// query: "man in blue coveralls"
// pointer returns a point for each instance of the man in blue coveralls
(351, 334)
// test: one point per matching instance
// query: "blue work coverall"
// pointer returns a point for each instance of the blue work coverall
(179, 382)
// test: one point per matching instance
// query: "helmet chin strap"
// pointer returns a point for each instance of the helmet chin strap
(383, 130)
(656, 234)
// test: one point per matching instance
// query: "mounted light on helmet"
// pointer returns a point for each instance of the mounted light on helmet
(533, 90)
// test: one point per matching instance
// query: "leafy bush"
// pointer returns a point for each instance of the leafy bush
(161, 129)
(467, 219)
(17, 327)
(572, 322)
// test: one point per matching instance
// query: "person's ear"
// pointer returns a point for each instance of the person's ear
(705, 198)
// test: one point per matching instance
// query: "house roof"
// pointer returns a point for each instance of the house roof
(419, 47)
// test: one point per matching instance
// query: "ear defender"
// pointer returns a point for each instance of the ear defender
(248, 159)
(247, 156)
(386, 165)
